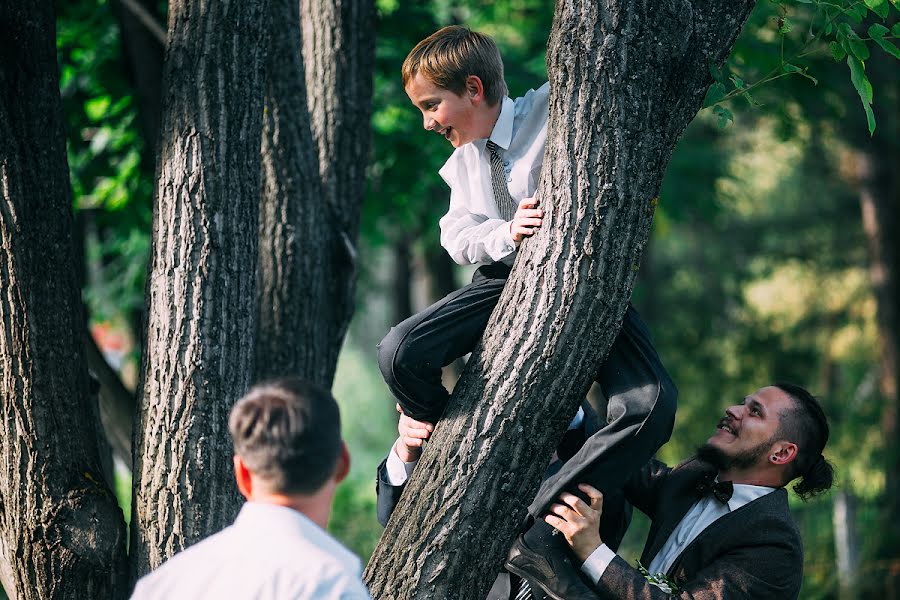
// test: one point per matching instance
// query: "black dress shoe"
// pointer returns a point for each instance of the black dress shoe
(554, 573)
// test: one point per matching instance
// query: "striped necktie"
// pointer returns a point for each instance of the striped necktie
(505, 203)
(524, 591)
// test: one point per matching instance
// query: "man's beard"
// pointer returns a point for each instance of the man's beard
(727, 462)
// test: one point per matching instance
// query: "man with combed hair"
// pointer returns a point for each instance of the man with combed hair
(288, 459)
(721, 527)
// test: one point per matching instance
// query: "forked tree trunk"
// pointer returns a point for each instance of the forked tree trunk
(201, 286)
(61, 532)
(315, 149)
(626, 78)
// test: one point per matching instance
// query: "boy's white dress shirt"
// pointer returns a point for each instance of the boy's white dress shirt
(270, 552)
(473, 231)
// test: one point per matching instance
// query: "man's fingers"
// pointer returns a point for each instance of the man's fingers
(528, 203)
(594, 494)
(557, 523)
(576, 503)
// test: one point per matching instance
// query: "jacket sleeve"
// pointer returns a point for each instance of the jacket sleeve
(387, 495)
(752, 572)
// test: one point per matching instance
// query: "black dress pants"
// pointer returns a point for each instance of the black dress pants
(641, 396)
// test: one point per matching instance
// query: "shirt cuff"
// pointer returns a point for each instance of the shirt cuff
(506, 237)
(595, 565)
(397, 470)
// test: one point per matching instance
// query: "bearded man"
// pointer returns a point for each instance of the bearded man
(721, 527)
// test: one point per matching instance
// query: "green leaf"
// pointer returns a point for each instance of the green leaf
(889, 47)
(828, 28)
(724, 115)
(857, 12)
(863, 88)
(837, 52)
(870, 118)
(879, 7)
(786, 26)
(737, 81)
(715, 93)
(878, 31)
(789, 68)
(859, 79)
(895, 30)
(851, 42)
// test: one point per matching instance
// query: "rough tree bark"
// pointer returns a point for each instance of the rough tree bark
(201, 285)
(626, 78)
(61, 532)
(315, 149)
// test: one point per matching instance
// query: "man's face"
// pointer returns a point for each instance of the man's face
(450, 115)
(748, 430)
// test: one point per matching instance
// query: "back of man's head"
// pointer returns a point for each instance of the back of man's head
(806, 426)
(288, 433)
(450, 55)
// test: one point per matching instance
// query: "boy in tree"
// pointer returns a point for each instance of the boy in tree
(455, 78)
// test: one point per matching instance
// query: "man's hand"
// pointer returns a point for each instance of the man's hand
(578, 522)
(526, 220)
(412, 434)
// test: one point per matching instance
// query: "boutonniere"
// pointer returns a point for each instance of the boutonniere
(660, 580)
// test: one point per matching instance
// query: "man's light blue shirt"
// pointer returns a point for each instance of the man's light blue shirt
(270, 552)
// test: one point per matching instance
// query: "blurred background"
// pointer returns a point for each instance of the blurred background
(772, 257)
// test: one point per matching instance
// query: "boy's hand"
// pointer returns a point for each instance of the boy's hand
(526, 220)
(578, 522)
(412, 434)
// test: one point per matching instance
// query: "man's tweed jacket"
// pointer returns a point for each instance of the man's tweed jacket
(753, 552)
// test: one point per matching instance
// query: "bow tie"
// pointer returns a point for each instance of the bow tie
(722, 490)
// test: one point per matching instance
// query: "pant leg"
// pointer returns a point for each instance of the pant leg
(640, 416)
(412, 354)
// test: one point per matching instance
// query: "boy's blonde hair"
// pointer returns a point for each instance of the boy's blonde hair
(449, 55)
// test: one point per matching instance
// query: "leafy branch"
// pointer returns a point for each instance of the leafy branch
(836, 33)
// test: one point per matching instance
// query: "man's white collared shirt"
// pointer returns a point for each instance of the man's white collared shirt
(269, 553)
(702, 514)
(473, 231)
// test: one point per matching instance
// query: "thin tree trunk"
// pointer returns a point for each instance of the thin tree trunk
(626, 78)
(144, 53)
(201, 286)
(61, 532)
(315, 149)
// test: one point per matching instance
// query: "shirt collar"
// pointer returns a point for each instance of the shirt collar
(281, 520)
(745, 494)
(503, 128)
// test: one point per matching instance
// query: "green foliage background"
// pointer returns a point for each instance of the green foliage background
(757, 267)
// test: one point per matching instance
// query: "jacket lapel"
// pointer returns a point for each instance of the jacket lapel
(716, 531)
(676, 499)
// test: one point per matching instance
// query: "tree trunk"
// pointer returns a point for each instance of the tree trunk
(315, 149)
(143, 51)
(61, 532)
(201, 285)
(626, 78)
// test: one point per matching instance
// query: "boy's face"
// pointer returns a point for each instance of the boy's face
(460, 119)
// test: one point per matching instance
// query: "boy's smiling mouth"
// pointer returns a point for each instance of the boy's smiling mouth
(445, 132)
